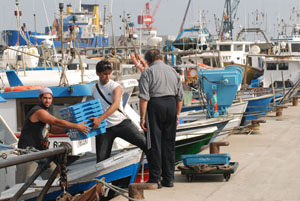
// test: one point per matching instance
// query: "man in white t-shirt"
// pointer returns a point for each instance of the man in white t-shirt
(109, 93)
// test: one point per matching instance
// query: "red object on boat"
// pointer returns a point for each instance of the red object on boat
(23, 88)
(139, 176)
(140, 19)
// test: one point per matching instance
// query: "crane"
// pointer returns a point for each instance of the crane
(229, 15)
(147, 18)
(183, 21)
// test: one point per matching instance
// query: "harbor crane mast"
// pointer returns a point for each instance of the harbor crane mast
(228, 18)
(147, 18)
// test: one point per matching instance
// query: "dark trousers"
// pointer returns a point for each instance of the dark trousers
(125, 130)
(162, 122)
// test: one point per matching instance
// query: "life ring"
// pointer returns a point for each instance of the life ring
(191, 72)
(23, 88)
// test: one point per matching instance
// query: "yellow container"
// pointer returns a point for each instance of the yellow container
(96, 19)
(69, 9)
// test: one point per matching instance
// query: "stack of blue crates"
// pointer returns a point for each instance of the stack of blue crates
(210, 159)
(81, 112)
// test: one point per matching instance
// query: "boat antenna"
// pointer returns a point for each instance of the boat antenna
(103, 33)
(48, 24)
(185, 14)
(18, 14)
(112, 25)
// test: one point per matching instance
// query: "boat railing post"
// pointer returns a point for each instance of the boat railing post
(283, 83)
(273, 91)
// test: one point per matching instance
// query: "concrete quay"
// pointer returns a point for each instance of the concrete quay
(269, 167)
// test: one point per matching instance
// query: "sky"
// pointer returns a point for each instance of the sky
(250, 13)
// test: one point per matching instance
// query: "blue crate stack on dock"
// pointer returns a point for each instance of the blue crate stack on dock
(81, 112)
(210, 159)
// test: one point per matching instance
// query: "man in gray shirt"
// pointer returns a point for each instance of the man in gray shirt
(161, 96)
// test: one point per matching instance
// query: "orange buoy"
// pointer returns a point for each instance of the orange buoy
(23, 88)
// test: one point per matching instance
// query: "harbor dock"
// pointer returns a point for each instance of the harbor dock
(269, 166)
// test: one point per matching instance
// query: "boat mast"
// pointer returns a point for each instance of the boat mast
(78, 5)
(112, 26)
(35, 40)
(17, 14)
(103, 33)
(63, 79)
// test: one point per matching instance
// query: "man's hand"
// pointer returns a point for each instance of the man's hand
(83, 128)
(177, 120)
(143, 125)
(138, 61)
(96, 122)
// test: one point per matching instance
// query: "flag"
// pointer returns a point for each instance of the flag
(54, 27)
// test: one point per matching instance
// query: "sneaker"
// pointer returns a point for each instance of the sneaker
(167, 183)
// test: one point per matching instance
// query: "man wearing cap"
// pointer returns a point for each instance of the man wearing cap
(35, 130)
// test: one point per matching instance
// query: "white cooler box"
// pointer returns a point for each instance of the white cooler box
(78, 146)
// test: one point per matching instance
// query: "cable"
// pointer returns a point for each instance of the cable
(117, 189)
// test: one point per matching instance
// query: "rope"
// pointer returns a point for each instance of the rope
(117, 189)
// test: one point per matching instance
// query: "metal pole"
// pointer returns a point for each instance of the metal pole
(63, 79)
(283, 83)
(33, 156)
(112, 30)
(35, 40)
(103, 37)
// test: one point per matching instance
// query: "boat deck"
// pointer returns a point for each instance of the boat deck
(268, 169)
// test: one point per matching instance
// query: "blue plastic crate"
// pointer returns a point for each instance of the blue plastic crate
(77, 135)
(81, 118)
(89, 122)
(211, 159)
(78, 111)
(91, 103)
(81, 112)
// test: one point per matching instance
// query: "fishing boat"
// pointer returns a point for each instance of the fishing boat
(282, 69)
(82, 26)
(81, 175)
(122, 165)
(258, 106)
(236, 110)
(196, 138)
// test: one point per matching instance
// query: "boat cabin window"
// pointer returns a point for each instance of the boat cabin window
(271, 66)
(238, 47)
(295, 47)
(225, 47)
(24, 105)
(283, 66)
(247, 48)
(206, 61)
(250, 61)
(260, 62)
